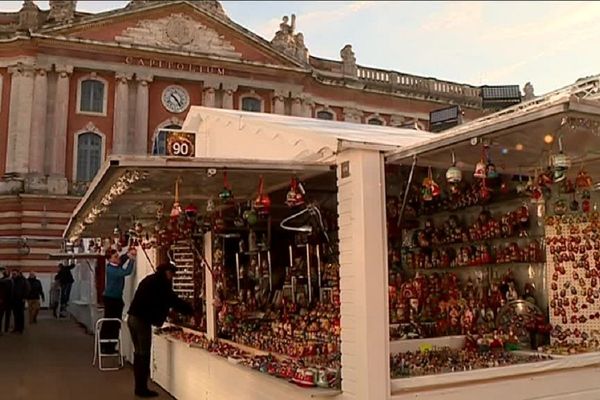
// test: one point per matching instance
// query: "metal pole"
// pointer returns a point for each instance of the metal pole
(308, 273)
(270, 270)
(318, 248)
(237, 271)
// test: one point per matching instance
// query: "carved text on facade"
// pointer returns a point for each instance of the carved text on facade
(179, 66)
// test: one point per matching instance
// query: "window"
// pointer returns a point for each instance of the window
(91, 98)
(159, 147)
(89, 156)
(375, 121)
(325, 115)
(251, 104)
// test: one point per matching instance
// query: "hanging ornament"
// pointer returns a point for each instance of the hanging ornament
(226, 195)
(560, 207)
(521, 187)
(560, 163)
(583, 180)
(295, 196)
(191, 211)
(574, 205)
(250, 216)
(210, 206)
(262, 203)
(453, 175)
(238, 221)
(430, 189)
(176, 209)
(481, 167)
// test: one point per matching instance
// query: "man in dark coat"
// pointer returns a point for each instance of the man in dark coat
(5, 299)
(36, 293)
(20, 292)
(151, 303)
(65, 277)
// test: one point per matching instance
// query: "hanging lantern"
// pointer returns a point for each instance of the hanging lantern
(262, 203)
(453, 175)
(226, 195)
(295, 196)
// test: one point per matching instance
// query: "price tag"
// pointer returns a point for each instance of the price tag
(180, 144)
(425, 347)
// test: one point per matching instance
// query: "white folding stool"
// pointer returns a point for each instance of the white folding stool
(98, 354)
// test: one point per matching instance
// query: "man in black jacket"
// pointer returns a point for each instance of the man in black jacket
(20, 292)
(151, 303)
(36, 292)
(5, 299)
(65, 277)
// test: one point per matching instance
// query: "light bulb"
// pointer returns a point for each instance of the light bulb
(548, 139)
(519, 147)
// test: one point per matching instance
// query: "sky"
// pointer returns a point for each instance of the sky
(550, 44)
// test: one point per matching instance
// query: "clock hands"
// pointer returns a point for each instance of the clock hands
(176, 99)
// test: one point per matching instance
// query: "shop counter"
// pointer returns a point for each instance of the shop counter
(576, 374)
(195, 374)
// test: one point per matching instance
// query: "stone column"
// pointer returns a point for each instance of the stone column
(19, 118)
(208, 97)
(140, 140)
(228, 99)
(363, 275)
(121, 117)
(37, 146)
(57, 182)
(297, 106)
(279, 103)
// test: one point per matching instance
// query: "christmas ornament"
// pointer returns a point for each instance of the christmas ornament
(295, 196)
(226, 195)
(453, 175)
(262, 203)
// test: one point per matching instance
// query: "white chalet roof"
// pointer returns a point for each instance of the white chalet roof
(232, 134)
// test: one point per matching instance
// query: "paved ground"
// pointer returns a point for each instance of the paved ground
(52, 361)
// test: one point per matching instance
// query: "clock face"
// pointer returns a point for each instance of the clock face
(175, 99)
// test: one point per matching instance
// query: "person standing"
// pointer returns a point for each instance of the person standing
(36, 292)
(65, 277)
(5, 299)
(55, 296)
(151, 303)
(113, 293)
(19, 294)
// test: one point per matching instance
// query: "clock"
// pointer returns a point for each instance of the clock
(175, 99)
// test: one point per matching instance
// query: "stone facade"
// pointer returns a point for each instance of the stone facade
(107, 87)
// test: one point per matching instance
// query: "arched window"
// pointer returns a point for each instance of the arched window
(374, 121)
(159, 148)
(251, 104)
(328, 115)
(92, 97)
(89, 156)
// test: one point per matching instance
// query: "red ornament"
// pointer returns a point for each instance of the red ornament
(262, 203)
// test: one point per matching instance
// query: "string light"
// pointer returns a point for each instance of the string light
(548, 139)
(504, 151)
(519, 147)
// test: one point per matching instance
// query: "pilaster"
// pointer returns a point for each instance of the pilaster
(209, 96)
(19, 118)
(140, 142)
(297, 106)
(121, 116)
(279, 103)
(37, 146)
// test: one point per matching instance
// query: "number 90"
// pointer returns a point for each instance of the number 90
(181, 149)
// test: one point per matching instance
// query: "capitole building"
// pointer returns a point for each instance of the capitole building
(76, 87)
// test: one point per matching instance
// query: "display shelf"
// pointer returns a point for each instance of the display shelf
(478, 266)
(497, 203)
(475, 242)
